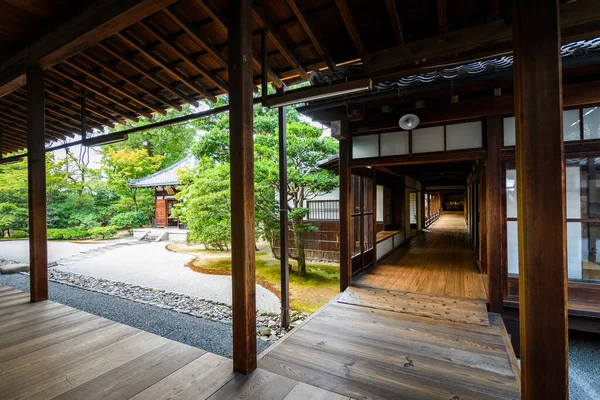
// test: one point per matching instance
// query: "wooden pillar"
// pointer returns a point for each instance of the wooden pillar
(283, 221)
(242, 186)
(495, 223)
(374, 219)
(339, 129)
(541, 200)
(36, 167)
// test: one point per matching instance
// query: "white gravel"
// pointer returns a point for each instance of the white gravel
(152, 265)
(18, 250)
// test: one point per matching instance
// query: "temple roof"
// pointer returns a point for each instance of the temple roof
(165, 177)
(578, 49)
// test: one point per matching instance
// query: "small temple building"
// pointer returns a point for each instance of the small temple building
(164, 183)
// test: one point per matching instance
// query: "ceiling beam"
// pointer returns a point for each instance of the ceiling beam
(285, 51)
(221, 22)
(130, 81)
(176, 16)
(350, 26)
(103, 92)
(150, 75)
(165, 65)
(579, 19)
(59, 94)
(90, 98)
(299, 12)
(176, 48)
(395, 21)
(580, 94)
(96, 22)
(118, 88)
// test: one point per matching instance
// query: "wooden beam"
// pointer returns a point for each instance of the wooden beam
(417, 159)
(181, 53)
(58, 93)
(91, 98)
(96, 22)
(283, 220)
(344, 10)
(176, 16)
(580, 94)
(115, 87)
(579, 19)
(221, 22)
(102, 92)
(298, 11)
(150, 75)
(395, 21)
(339, 129)
(494, 186)
(441, 7)
(111, 68)
(279, 42)
(242, 187)
(36, 170)
(541, 200)
(165, 65)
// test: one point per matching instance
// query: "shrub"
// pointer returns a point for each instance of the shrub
(19, 234)
(103, 232)
(129, 220)
(68, 234)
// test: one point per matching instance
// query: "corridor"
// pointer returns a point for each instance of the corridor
(438, 261)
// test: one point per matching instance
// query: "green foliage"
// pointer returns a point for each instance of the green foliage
(103, 232)
(204, 196)
(68, 234)
(19, 234)
(129, 220)
(204, 204)
(12, 217)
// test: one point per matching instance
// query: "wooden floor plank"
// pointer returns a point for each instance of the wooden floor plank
(259, 385)
(437, 261)
(197, 380)
(417, 327)
(469, 311)
(76, 371)
(303, 391)
(135, 376)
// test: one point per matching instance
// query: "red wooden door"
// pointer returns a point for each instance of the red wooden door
(161, 213)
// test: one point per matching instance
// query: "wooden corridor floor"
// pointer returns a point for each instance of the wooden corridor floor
(438, 261)
(51, 351)
(382, 344)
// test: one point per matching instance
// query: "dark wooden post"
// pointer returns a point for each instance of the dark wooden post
(283, 221)
(339, 129)
(242, 186)
(495, 222)
(374, 216)
(541, 200)
(36, 167)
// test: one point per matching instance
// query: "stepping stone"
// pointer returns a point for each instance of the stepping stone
(13, 268)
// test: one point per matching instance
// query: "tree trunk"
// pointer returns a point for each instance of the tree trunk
(299, 243)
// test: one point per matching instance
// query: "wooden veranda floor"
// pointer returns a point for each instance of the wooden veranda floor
(438, 261)
(51, 351)
(382, 344)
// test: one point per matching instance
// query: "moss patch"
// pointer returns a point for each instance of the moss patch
(307, 293)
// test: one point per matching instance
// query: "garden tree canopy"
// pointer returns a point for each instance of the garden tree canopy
(81, 197)
(172, 142)
(123, 165)
(305, 147)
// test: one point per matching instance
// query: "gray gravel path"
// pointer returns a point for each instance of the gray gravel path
(215, 337)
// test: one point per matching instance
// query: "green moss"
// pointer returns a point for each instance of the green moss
(307, 293)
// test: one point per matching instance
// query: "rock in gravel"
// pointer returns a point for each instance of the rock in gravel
(267, 324)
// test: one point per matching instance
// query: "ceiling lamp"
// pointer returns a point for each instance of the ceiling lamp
(409, 122)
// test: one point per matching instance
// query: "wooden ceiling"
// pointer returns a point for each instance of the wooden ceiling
(169, 53)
